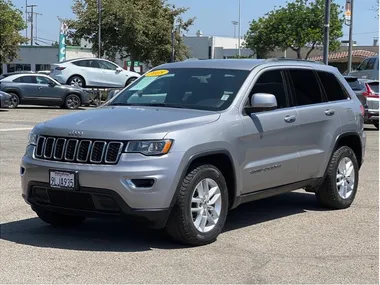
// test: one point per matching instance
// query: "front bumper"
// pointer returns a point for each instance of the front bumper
(112, 181)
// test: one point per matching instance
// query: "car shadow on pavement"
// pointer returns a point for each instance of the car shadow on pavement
(122, 236)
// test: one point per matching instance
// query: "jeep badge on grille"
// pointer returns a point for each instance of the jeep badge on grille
(75, 133)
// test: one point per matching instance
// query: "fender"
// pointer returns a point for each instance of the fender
(199, 155)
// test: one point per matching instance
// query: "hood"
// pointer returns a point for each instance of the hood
(125, 122)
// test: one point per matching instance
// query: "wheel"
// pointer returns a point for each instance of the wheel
(13, 101)
(72, 102)
(376, 125)
(130, 80)
(57, 219)
(201, 208)
(77, 81)
(339, 188)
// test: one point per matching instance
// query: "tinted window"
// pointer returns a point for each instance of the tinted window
(363, 65)
(332, 86)
(193, 88)
(80, 63)
(28, 79)
(355, 84)
(305, 86)
(374, 86)
(107, 65)
(371, 63)
(271, 82)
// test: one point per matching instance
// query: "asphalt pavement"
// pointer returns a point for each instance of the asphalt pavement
(284, 239)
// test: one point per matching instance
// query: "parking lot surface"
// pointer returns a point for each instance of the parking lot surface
(284, 239)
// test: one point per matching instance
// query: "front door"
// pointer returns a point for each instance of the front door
(271, 138)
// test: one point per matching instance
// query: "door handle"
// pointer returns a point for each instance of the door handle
(290, 119)
(330, 112)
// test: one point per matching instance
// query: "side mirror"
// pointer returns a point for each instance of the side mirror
(51, 84)
(261, 102)
(119, 69)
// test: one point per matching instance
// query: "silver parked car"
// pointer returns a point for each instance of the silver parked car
(189, 141)
(5, 100)
(368, 69)
(40, 89)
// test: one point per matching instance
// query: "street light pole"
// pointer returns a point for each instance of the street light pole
(239, 32)
(350, 39)
(235, 24)
(99, 28)
(326, 32)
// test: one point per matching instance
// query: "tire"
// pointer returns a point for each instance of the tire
(130, 80)
(76, 80)
(376, 125)
(181, 225)
(14, 101)
(72, 102)
(328, 195)
(61, 220)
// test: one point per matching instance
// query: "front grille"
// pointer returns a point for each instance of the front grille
(78, 150)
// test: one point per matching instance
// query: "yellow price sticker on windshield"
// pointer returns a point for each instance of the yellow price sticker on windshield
(157, 72)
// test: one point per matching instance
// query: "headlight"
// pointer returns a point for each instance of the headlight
(32, 138)
(150, 147)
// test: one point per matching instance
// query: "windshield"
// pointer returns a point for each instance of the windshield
(192, 88)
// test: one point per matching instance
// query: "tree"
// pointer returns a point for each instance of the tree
(11, 23)
(137, 29)
(298, 25)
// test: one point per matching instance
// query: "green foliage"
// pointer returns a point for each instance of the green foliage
(137, 29)
(297, 25)
(11, 23)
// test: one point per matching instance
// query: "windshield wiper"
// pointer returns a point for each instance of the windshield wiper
(169, 105)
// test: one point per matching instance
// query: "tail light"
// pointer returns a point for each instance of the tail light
(362, 110)
(60, 68)
(369, 92)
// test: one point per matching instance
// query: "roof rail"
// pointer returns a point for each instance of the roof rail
(293, 59)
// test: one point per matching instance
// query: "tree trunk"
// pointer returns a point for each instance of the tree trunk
(310, 50)
(132, 68)
(298, 51)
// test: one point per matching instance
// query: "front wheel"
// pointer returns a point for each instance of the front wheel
(339, 188)
(61, 220)
(200, 212)
(130, 80)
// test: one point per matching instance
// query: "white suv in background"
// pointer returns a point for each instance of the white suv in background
(92, 72)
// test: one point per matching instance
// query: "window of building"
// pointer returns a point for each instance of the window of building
(306, 89)
(18, 67)
(332, 86)
(40, 67)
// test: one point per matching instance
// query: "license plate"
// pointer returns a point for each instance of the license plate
(62, 180)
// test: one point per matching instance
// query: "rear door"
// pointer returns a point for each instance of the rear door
(29, 89)
(319, 121)
(271, 138)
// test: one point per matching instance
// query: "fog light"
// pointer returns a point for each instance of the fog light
(22, 171)
(140, 183)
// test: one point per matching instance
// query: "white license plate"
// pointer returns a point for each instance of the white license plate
(61, 179)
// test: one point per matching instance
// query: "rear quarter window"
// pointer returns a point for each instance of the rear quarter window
(333, 89)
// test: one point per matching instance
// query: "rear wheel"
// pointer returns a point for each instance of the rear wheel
(77, 81)
(14, 101)
(201, 209)
(72, 102)
(57, 219)
(339, 188)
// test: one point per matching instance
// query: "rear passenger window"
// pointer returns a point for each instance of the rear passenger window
(333, 89)
(271, 82)
(305, 86)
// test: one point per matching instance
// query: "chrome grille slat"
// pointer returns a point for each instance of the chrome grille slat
(75, 150)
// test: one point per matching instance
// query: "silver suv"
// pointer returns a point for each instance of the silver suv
(189, 141)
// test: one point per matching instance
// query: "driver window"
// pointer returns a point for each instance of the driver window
(363, 65)
(271, 82)
(106, 65)
(42, 80)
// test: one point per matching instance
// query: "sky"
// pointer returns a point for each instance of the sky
(213, 17)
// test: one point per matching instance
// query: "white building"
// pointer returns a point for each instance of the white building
(213, 47)
(36, 58)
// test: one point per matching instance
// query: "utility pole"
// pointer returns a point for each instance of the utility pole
(31, 19)
(239, 32)
(235, 24)
(326, 36)
(26, 18)
(349, 17)
(99, 28)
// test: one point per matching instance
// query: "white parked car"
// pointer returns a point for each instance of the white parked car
(92, 72)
